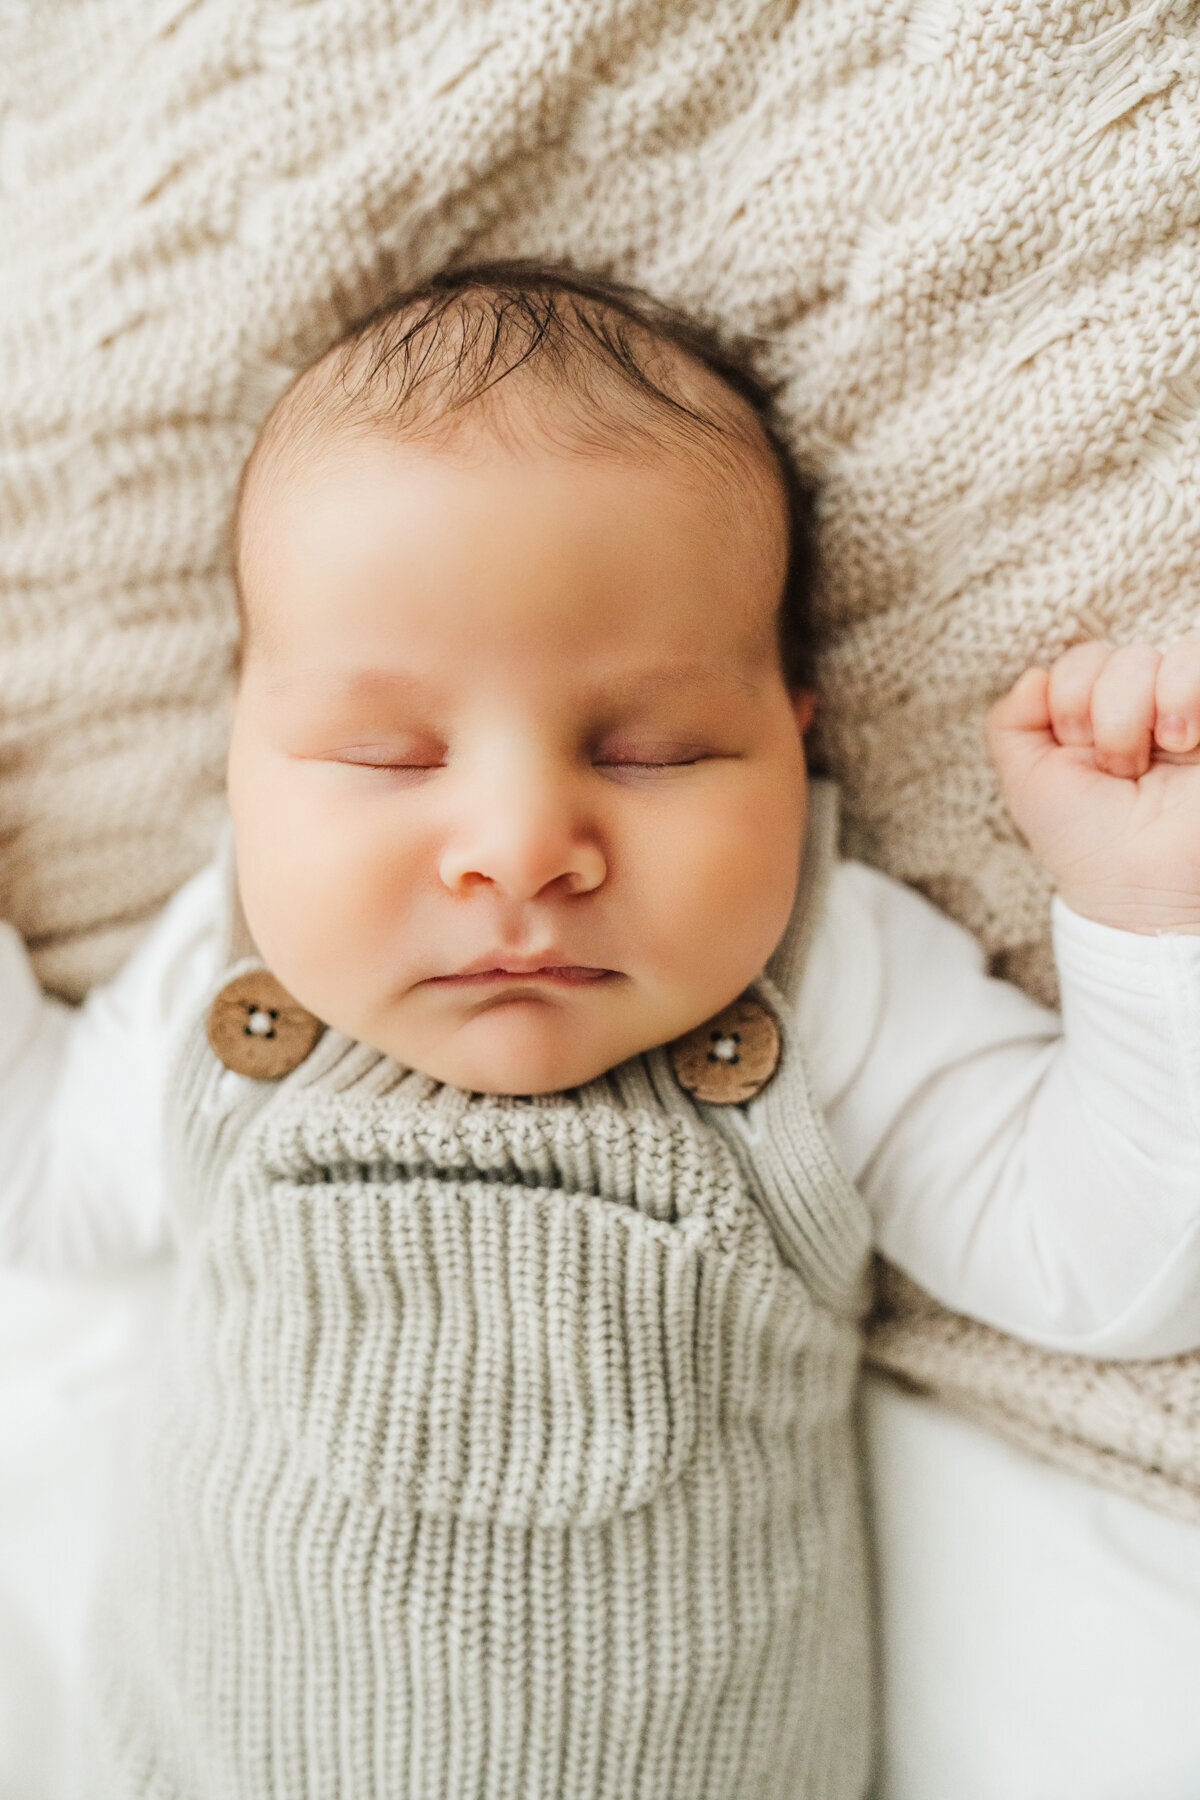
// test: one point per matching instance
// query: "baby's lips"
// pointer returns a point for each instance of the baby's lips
(570, 974)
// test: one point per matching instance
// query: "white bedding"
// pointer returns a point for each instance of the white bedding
(1041, 1638)
(72, 1352)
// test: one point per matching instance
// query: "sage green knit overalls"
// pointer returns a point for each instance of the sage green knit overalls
(504, 1449)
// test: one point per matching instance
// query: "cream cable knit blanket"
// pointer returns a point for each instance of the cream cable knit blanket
(965, 232)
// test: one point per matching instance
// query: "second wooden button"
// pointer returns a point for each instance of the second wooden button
(730, 1058)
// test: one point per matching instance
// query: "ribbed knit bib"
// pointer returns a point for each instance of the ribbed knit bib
(505, 1447)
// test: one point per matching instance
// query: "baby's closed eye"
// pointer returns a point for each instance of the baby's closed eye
(652, 755)
(390, 753)
(387, 757)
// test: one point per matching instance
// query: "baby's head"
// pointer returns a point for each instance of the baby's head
(517, 773)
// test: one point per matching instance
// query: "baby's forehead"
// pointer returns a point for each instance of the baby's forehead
(520, 437)
(502, 557)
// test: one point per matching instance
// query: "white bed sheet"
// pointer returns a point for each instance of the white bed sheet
(1041, 1638)
(1040, 1635)
(74, 1353)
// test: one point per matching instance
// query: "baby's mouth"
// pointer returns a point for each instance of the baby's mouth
(557, 974)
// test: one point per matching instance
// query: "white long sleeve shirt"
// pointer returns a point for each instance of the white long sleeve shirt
(1042, 1175)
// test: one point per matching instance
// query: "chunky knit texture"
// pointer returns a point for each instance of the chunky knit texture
(965, 232)
(505, 1449)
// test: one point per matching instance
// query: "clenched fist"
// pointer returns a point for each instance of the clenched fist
(1099, 759)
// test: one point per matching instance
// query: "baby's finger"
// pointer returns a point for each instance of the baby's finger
(1123, 710)
(1177, 695)
(1072, 679)
(1018, 726)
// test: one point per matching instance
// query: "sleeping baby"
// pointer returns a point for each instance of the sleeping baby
(523, 1089)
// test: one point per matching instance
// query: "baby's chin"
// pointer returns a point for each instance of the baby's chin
(522, 1048)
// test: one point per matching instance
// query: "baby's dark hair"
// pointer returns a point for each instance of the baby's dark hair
(413, 365)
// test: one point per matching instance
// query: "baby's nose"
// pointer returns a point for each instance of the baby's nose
(526, 845)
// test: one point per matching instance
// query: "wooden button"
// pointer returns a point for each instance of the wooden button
(731, 1057)
(256, 1028)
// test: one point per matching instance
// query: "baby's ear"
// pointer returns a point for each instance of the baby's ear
(804, 705)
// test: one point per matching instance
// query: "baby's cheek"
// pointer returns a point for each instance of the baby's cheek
(298, 886)
(720, 885)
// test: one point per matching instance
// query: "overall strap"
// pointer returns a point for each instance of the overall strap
(236, 945)
(208, 1106)
(819, 1220)
(787, 964)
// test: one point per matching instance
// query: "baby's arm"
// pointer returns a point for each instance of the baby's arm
(1046, 1180)
(81, 1090)
(1048, 1184)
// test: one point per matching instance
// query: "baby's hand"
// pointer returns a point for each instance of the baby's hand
(1099, 759)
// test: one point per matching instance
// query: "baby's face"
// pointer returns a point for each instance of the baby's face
(517, 786)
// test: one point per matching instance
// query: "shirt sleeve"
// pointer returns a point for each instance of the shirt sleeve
(1040, 1174)
(82, 1089)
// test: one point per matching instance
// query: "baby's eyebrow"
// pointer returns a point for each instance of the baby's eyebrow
(618, 689)
(647, 682)
(355, 684)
